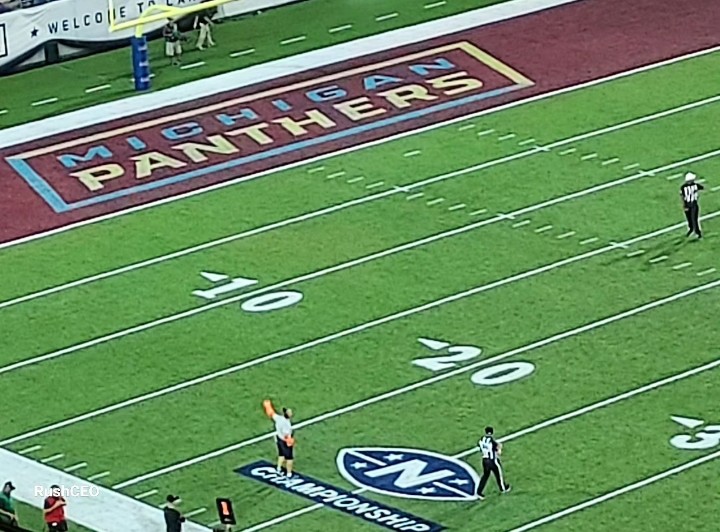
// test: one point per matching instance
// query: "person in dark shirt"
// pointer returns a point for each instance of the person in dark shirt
(8, 515)
(173, 518)
(173, 44)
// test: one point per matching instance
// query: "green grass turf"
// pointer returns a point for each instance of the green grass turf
(602, 451)
(312, 18)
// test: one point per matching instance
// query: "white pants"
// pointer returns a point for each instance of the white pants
(205, 36)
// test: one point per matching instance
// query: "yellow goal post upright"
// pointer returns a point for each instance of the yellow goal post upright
(154, 13)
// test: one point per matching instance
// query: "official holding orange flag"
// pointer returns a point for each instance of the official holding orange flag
(283, 436)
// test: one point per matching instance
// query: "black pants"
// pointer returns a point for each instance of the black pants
(494, 467)
(692, 213)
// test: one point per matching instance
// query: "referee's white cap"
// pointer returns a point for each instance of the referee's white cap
(690, 176)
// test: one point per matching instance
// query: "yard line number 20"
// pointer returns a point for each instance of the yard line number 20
(493, 375)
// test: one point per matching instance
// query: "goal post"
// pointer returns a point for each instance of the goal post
(154, 13)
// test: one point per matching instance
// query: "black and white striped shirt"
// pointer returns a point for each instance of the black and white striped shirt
(488, 447)
(690, 191)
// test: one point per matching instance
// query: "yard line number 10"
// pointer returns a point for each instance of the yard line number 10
(457, 354)
(259, 303)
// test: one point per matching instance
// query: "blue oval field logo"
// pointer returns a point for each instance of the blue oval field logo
(408, 473)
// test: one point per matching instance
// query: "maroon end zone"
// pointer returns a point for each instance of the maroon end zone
(56, 181)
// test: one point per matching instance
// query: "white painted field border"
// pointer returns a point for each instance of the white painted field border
(335, 336)
(352, 203)
(106, 510)
(620, 491)
(343, 266)
(430, 381)
(115, 110)
(523, 432)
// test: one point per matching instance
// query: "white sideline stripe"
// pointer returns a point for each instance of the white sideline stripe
(31, 449)
(522, 223)
(340, 28)
(98, 88)
(358, 201)
(110, 111)
(44, 102)
(192, 65)
(620, 491)
(95, 513)
(565, 235)
(75, 467)
(349, 264)
(243, 52)
(386, 17)
(52, 458)
(292, 40)
(682, 265)
(334, 336)
(99, 476)
(528, 430)
(429, 381)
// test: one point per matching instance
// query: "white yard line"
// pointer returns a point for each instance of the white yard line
(98, 476)
(620, 491)
(523, 432)
(386, 17)
(93, 115)
(349, 204)
(426, 382)
(543, 229)
(345, 265)
(335, 336)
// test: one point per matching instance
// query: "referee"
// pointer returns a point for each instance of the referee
(283, 437)
(689, 192)
(491, 451)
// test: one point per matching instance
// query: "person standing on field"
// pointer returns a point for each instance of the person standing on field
(283, 437)
(8, 515)
(203, 20)
(689, 193)
(173, 46)
(54, 511)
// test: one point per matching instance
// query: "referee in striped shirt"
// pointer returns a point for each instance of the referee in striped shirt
(491, 449)
(689, 192)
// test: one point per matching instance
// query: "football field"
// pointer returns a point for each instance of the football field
(526, 268)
